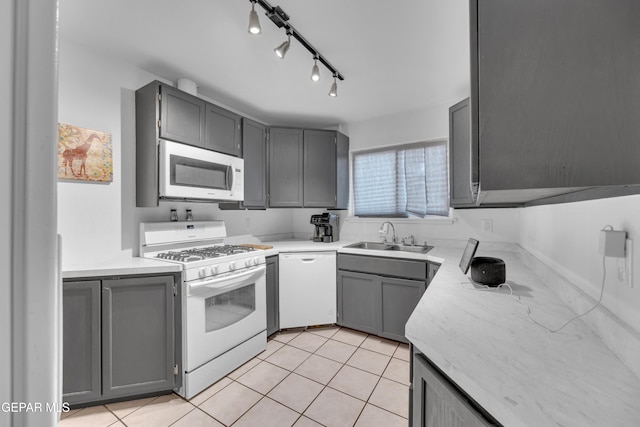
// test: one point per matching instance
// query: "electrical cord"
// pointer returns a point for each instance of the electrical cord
(553, 331)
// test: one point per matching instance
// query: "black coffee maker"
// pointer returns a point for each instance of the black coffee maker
(326, 227)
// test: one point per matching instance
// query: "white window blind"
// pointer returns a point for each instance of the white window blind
(400, 182)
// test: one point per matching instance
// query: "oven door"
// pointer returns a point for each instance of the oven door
(223, 312)
(188, 172)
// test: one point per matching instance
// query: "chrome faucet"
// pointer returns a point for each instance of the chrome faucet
(384, 229)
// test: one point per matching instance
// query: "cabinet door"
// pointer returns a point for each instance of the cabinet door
(273, 314)
(254, 152)
(461, 157)
(320, 169)
(432, 269)
(359, 301)
(222, 130)
(436, 403)
(285, 168)
(554, 94)
(182, 116)
(399, 297)
(81, 341)
(137, 335)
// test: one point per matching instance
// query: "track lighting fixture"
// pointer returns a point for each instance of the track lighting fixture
(254, 22)
(315, 71)
(334, 87)
(281, 50)
(280, 18)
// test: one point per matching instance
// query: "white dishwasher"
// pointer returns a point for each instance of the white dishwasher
(307, 288)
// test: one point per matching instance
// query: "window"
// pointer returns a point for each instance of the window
(403, 181)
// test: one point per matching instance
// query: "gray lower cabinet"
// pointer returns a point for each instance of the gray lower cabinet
(273, 296)
(358, 301)
(137, 336)
(436, 402)
(378, 294)
(81, 368)
(120, 338)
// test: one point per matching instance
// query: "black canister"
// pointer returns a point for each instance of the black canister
(488, 271)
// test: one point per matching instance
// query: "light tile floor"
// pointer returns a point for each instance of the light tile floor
(331, 377)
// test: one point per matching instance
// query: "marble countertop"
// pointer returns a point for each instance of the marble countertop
(119, 267)
(521, 373)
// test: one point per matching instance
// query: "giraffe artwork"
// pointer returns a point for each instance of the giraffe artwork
(84, 154)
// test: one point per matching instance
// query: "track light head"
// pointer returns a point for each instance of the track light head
(281, 50)
(315, 71)
(334, 87)
(254, 22)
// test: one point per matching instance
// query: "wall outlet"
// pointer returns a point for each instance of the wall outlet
(487, 225)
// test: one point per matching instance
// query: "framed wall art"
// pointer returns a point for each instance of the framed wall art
(84, 154)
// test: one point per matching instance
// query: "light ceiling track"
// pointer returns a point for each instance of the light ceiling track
(281, 19)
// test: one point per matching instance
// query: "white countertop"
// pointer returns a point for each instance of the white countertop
(119, 267)
(522, 374)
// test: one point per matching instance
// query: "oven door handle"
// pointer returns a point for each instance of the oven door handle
(239, 279)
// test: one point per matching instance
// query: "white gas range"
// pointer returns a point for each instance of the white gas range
(224, 297)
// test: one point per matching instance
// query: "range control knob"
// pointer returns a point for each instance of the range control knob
(214, 270)
(247, 262)
(202, 272)
(232, 265)
(256, 261)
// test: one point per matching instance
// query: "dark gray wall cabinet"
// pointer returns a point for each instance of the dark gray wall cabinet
(462, 156)
(273, 295)
(285, 167)
(254, 147)
(436, 402)
(164, 112)
(223, 131)
(377, 295)
(552, 97)
(120, 338)
(319, 169)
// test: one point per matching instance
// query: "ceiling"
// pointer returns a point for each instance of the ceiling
(395, 56)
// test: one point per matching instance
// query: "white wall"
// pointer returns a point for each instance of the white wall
(6, 171)
(100, 221)
(566, 236)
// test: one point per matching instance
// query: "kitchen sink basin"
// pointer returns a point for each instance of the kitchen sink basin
(390, 247)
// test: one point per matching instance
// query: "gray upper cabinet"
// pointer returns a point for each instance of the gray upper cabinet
(553, 96)
(137, 359)
(460, 156)
(254, 148)
(182, 116)
(319, 169)
(164, 112)
(81, 371)
(285, 168)
(223, 132)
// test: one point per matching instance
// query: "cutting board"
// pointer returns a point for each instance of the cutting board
(254, 246)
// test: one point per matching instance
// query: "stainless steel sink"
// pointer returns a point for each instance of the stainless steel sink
(371, 245)
(390, 247)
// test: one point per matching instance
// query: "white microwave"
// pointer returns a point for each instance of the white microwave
(192, 173)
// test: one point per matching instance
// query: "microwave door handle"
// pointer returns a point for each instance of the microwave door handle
(230, 177)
